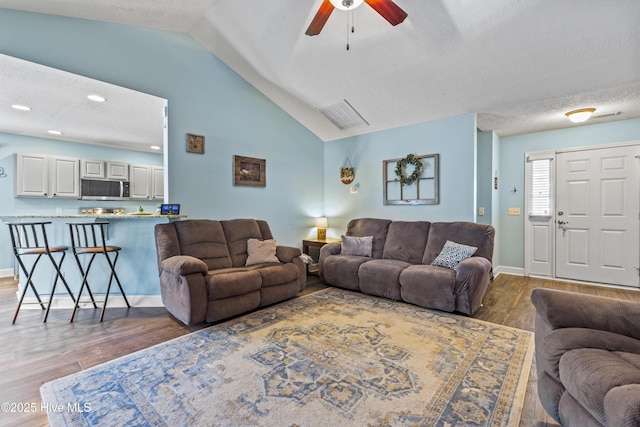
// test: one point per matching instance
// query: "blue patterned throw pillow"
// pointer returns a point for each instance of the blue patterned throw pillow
(452, 253)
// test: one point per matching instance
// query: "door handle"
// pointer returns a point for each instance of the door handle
(563, 222)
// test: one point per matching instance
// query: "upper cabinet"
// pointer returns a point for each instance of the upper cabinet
(118, 170)
(147, 182)
(92, 169)
(46, 176)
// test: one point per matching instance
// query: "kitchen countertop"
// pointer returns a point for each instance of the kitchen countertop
(101, 216)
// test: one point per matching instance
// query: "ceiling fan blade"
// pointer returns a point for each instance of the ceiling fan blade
(388, 10)
(320, 19)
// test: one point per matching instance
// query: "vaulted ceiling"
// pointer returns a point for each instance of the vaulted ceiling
(519, 64)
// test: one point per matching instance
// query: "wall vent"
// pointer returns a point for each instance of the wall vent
(343, 115)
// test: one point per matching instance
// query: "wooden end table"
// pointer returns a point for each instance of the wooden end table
(314, 245)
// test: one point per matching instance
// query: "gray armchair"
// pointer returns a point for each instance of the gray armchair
(588, 358)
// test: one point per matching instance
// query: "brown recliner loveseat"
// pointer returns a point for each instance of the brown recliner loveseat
(588, 358)
(208, 273)
(400, 263)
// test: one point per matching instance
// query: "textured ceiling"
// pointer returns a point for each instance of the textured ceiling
(58, 101)
(519, 64)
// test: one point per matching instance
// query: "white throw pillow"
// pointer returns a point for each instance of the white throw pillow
(452, 254)
(261, 251)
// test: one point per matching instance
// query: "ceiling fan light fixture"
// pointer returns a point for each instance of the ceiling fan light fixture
(346, 4)
(580, 115)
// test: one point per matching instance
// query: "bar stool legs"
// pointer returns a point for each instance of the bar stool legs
(89, 239)
(31, 239)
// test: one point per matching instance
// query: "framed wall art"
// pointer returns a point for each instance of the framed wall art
(412, 180)
(249, 171)
(195, 143)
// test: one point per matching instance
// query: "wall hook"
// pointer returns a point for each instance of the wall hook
(514, 190)
(2, 174)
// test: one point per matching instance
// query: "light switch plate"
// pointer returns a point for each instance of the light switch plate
(514, 211)
(481, 211)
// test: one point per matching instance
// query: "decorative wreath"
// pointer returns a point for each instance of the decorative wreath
(401, 166)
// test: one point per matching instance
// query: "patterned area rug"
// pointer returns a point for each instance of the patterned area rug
(331, 358)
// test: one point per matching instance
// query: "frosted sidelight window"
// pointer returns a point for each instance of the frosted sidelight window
(539, 187)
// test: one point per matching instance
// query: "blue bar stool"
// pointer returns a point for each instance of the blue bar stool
(88, 238)
(30, 238)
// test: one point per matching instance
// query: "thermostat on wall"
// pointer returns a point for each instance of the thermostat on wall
(170, 209)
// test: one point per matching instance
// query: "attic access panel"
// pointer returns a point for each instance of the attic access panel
(423, 191)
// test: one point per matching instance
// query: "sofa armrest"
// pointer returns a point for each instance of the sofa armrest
(182, 265)
(325, 251)
(287, 253)
(472, 280)
(564, 309)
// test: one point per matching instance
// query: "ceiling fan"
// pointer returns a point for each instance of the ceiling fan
(386, 8)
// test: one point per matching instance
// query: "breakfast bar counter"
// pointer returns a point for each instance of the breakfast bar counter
(137, 264)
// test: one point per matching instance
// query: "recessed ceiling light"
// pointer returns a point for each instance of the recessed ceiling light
(97, 98)
(21, 107)
(54, 132)
(154, 147)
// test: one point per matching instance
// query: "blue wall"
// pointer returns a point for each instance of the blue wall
(205, 97)
(512, 174)
(453, 138)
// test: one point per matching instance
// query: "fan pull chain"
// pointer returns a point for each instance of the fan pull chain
(352, 25)
(348, 14)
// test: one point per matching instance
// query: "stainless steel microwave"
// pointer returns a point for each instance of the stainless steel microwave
(102, 189)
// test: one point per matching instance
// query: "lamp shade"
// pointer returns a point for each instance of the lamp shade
(346, 4)
(322, 222)
(581, 115)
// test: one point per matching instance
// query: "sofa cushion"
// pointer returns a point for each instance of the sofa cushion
(452, 253)
(589, 374)
(237, 232)
(553, 345)
(273, 275)
(204, 239)
(228, 282)
(467, 233)
(381, 277)
(429, 286)
(406, 241)
(370, 227)
(342, 270)
(359, 246)
(261, 251)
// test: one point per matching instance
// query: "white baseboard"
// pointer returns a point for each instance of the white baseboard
(6, 272)
(65, 301)
(516, 271)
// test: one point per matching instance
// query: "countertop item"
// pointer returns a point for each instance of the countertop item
(136, 215)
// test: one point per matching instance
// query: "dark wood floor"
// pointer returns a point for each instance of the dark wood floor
(33, 353)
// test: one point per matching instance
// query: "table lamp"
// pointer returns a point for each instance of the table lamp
(322, 224)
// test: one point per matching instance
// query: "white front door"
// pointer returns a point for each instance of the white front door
(598, 215)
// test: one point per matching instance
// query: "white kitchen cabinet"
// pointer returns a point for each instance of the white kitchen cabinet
(64, 178)
(118, 170)
(140, 184)
(147, 182)
(157, 184)
(92, 169)
(32, 175)
(39, 175)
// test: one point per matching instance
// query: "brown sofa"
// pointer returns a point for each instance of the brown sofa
(588, 358)
(203, 271)
(400, 264)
